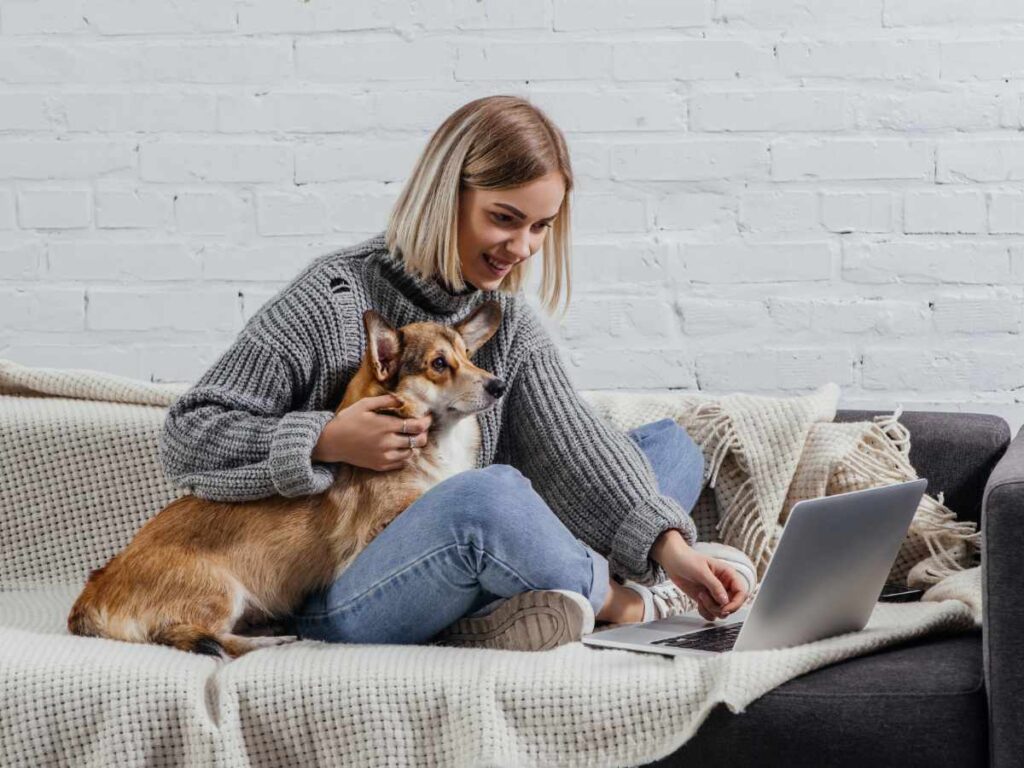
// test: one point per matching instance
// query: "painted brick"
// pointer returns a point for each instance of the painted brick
(743, 262)
(928, 262)
(952, 211)
(843, 211)
(795, 110)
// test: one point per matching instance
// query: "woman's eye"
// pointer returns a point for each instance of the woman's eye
(439, 364)
(504, 218)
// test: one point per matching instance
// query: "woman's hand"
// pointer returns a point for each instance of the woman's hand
(358, 436)
(713, 584)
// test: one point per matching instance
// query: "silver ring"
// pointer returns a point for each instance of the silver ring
(411, 439)
(403, 425)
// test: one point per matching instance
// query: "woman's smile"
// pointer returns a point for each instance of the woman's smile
(497, 268)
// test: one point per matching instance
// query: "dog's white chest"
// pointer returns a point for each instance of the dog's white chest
(456, 450)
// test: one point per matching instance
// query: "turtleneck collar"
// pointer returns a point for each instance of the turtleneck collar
(433, 295)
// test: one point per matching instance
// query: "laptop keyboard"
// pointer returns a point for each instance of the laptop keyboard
(715, 639)
(720, 639)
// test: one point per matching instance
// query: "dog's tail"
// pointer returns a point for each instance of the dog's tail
(197, 639)
(185, 637)
(193, 638)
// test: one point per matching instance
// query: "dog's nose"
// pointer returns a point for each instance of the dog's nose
(495, 387)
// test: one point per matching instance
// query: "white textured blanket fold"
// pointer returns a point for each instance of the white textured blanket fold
(80, 476)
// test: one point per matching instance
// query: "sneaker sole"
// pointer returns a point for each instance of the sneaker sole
(538, 620)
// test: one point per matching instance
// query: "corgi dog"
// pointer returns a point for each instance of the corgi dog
(199, 569)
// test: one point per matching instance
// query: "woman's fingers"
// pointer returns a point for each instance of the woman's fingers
(715, 586)
(739, 596)
(395, 459)
(716, 589)
(379, 401)
(399, 441)
(736, 586)
(728, 588)
(412, 426)
(733, 605)
(703, 602)
(716, 609)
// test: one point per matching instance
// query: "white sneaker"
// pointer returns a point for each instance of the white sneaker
(662, 600)
(536, 620)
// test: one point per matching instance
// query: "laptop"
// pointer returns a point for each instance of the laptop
(824, 579)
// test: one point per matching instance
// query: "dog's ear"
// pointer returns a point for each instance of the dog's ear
(383, 345)
(480, 326)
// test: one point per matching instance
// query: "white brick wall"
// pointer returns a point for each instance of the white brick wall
(771, 194)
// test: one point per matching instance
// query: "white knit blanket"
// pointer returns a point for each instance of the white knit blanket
(79, 475)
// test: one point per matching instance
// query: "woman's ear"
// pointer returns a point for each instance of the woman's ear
(383, 345)
(480, 326)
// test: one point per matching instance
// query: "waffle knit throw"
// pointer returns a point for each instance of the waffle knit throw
(79, 474)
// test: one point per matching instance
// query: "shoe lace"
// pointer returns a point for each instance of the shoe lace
(670, 600)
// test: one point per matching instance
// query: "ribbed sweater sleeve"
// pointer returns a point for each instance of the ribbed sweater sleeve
(592, 475)
(234, 436)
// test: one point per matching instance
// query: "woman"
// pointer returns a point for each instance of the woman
(479, 557)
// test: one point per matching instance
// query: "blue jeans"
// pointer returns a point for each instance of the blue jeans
(472, 541)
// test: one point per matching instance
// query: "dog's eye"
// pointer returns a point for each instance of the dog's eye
(439, 363)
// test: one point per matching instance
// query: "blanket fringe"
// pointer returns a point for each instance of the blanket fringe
(948, 540)
(882, 454)
(742, 527)
(879, 455)
(712, 429)
(900, 437)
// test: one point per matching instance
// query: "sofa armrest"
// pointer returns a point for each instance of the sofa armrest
(1002, 524)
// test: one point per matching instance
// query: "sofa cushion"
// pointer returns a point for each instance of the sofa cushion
(921, 703)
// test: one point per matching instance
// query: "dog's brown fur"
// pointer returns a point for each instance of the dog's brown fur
(199, 570)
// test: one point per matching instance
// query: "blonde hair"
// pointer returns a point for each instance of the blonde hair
(494, 142)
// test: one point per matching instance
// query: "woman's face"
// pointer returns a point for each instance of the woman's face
(505, 227)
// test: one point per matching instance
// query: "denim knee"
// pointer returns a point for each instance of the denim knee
(484, 496)
(686, 448)
(658, 426)
(692, 452)
(493, 479)
(661, 430)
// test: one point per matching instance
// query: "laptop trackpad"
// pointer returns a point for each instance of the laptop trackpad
(646, 633)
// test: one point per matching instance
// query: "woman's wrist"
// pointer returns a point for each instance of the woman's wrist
(322, 449)
(669, 540)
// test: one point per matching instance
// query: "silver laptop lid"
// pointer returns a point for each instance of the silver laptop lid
(832, 560)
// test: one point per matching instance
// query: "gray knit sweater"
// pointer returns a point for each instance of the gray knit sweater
(247, 428)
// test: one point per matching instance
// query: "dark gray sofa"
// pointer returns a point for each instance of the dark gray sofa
(944, 701)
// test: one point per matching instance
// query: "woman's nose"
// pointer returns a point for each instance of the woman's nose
(519, 246)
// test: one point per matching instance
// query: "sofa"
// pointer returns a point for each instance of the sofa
(942, 701)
